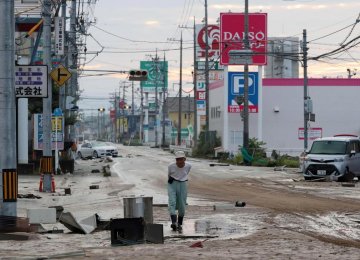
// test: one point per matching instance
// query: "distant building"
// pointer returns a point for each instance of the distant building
(187, 111)
(187, 118)
(280, 119)
(283, 57)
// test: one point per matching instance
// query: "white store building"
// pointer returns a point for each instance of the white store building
(279, 121)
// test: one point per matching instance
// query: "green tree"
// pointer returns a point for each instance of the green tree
(206, 144)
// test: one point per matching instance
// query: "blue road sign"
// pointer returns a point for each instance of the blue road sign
(236, 88)
(57, 112)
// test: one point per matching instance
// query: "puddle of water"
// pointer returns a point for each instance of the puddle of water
(223, 226)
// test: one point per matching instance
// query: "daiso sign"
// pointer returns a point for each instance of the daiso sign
(232, 36)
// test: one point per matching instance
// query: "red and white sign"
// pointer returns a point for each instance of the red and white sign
(232, 36)
(313, 133)
(213, 32)
(200, 95)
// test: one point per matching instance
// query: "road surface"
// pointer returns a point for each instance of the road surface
(284, 217)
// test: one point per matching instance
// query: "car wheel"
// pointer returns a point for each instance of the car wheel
(80, 155)
(307, 178)
(95, 154)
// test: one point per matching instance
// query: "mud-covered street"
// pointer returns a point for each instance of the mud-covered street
(284, 217)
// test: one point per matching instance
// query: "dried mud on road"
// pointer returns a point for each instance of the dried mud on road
(290, 219)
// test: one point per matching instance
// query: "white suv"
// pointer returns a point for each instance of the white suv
(336, 158)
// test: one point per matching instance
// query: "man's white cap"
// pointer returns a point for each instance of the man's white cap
(180, 154)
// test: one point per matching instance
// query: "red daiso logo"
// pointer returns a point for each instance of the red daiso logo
(232, 36)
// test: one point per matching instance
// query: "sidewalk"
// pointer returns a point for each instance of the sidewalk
(81, 194)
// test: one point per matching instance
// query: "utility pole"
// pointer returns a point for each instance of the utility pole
(195, 93)
(119, 126)
(306, 107)
(194, 82)
(246, 80)
(62, 95)
(72, 61)
(123, 114)
(8, 105)
(189, 113)
(98, 125)
(47, 102)
(180, 94)
(163, 103)
(132, 108)
(116, 104)
(141, 114)
(207, 74)
(156, 99)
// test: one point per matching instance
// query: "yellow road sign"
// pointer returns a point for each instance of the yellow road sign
(56, 123)
(60, 75)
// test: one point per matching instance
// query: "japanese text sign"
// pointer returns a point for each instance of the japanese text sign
(31, 81)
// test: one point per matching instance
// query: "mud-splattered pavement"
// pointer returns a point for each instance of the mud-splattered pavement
(284, 217)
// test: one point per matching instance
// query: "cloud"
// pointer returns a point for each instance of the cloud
(292, 5)
(152, 22)
(227, 6)
(307, 6)
(332, 69)
(240, 8)
(297, 5)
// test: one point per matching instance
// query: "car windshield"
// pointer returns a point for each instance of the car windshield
(328, 147)
(97, 144)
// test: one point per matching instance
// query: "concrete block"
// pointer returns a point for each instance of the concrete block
(154, 233)
(224, 207)
(42, 216)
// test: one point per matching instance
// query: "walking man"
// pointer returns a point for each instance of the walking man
(177, 189)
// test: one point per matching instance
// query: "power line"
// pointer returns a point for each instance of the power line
(124, 38)
(332, 33)
(352, 29)
(340, 49)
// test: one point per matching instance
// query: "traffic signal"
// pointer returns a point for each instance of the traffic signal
(138, 75)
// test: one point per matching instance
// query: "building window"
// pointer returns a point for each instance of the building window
(236, 137)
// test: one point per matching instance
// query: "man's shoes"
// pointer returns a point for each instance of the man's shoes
(173, 222)
(180, 222)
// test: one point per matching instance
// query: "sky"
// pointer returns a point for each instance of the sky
(122, 33)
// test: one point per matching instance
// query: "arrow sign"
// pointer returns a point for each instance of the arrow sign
(60, 75)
